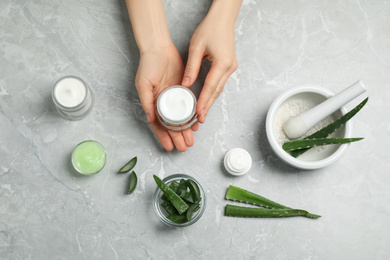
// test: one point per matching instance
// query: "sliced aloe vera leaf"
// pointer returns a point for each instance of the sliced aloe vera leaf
(187, 197)
(182, 188)
(237, 194)
(332, 127)
(238, 211)
(195, 191)
(133, 182)
(169, 208)
(191, 210)
(174, 185)
(128, 166)
(178, 219)
(309, 143)
(175, 199)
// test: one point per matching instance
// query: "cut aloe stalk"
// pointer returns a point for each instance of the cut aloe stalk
(191, 210)
(238, 211)
(331, 128)
(169, 208)
(128, 166)
(310, 143)
(194, 190)
(133, 182)
(174, 185)
(175, 199)
(237, 194)
(178, 219)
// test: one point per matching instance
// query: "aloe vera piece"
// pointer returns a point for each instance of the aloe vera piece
(238, 194)
(187, 197)
(178, 219)
(174, 185)
(238, 211)
(195, 191)
(128, 166)
(169, 208)
(309, 143)
(175, 199)
(191, 210)
(182, 188)
(332, 127)
(133, 182)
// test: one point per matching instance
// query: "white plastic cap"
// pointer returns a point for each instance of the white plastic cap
(237, 161)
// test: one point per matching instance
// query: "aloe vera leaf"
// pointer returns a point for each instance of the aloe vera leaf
(133, 182)
(182, 187)
(237, 194)
(332, 127)
(175, 199)
(187, 197)
(174, 185)
(178, 219)
(128, 166)
(309, 143)
(238, 211)
(191, 210)
(195, 191)
(169, 208)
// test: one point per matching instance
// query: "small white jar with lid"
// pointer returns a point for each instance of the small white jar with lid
(176, 108)
(237, 161)
(73, 97)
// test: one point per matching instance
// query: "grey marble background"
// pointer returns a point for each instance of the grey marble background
(48, 212)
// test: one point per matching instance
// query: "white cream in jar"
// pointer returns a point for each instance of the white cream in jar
(73, 97)
(176, 108)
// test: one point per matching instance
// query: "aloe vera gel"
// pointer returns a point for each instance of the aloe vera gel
(89, 157)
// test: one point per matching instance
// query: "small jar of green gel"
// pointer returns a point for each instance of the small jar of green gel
(89, 157)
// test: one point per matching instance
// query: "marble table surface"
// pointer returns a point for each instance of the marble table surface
(49, 212)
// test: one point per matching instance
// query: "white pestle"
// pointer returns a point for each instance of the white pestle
(297, 126)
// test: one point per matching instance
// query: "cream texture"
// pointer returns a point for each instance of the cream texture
(176, 105)
(70, 92)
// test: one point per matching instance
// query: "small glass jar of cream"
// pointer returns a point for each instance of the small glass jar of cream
(73, 97)
(176, 108)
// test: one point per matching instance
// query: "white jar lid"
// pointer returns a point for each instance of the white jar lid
(237, 161)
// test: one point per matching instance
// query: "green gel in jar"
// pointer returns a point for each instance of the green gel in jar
(89, 157)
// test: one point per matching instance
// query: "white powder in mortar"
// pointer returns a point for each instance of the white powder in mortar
(291, 108)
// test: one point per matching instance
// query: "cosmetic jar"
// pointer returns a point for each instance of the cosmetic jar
(176, 108)
(162, 214)
(89, 157)
(73, 97)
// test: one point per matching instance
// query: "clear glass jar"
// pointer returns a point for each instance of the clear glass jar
(73, 98)
(176, 108)
(160, 212)
(88, 157)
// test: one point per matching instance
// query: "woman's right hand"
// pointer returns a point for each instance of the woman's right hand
(158, 69)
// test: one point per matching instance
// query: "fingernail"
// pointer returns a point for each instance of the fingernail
(186, 81)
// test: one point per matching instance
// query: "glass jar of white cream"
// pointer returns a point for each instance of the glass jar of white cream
(73, 97)
(176, 108)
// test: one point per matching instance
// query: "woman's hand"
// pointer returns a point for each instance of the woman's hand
(160, 66)
(213, 40)
(158, 69)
